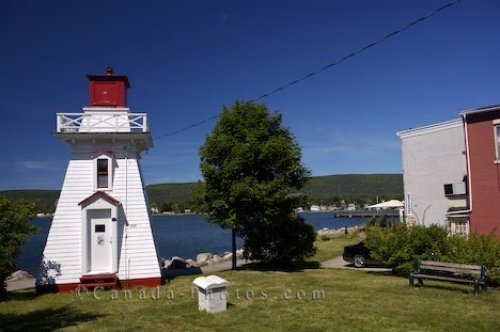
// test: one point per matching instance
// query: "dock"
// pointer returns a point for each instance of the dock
(366, 214)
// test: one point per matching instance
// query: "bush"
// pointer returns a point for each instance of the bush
(478, 249)
(15, 229)
(401, 246)
(281, 244)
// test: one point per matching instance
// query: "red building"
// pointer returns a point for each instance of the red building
(482, 135)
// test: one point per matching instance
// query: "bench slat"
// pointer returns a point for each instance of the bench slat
(451, 265)
(448, 269)
(435, 277)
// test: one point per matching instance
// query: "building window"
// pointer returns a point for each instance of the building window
(497, 141)
(102, 173)
(460, 227)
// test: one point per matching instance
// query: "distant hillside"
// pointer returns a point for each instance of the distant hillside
(324, 189)
(320, 189)
(174, 192)
(45, 199)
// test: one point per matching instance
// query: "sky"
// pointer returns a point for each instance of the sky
(186, 59)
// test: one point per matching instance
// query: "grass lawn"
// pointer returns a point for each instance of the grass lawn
(282, 301)
(330, 246)
(302, 300)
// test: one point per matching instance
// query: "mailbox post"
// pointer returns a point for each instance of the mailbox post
(212, 293)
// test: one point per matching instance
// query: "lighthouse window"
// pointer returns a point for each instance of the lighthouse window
(102, 173)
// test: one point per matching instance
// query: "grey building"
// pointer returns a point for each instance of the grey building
(434, 175)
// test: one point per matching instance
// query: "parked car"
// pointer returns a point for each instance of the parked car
(359, 255)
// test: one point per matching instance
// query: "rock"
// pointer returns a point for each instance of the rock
(327, 231)
(178, 263)
(166, 263)
(227, 256)
(191, 263)
(216, 259)
(239, 253)
(19, 275)
(201, 259)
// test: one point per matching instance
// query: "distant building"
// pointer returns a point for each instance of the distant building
(315, 208)
(433, 156)
(451, 172)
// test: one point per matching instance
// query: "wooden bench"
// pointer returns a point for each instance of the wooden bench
(459, 273)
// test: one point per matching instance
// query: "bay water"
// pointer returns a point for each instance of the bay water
(176, 235)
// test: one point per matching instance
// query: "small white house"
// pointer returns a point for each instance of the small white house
(315, 208)
(101, 231)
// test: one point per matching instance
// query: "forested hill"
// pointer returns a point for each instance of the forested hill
(320, 190)
(358, 187)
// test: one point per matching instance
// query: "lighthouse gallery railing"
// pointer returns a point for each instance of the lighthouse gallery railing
(102, 122)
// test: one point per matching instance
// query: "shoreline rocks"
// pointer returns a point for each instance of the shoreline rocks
(202, 259)
(341, 230)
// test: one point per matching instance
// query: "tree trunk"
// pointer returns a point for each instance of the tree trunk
(233, 240)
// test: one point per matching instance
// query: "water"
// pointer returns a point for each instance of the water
(179, 235)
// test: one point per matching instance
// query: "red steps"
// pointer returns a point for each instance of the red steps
(105, 280)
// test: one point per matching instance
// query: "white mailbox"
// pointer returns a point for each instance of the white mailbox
(212, 293)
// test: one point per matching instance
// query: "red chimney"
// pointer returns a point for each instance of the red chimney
(108, 90)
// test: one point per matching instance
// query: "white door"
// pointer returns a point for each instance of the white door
(100, 241)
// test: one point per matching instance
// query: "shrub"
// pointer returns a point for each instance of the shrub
(280, 244)
(15, 229)
(401, 246)
(478, 249)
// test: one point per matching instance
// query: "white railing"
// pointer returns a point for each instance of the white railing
(102, 122)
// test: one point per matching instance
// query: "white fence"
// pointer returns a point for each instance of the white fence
(102, 122)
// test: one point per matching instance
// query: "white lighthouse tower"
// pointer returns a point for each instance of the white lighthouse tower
(101, 232)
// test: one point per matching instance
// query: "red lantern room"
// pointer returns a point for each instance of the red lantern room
(108, 90)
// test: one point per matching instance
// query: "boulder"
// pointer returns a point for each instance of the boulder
(201, 259)
(178, 263)
(216, 259)
(191, 263)
(239, 253)
(227, 256)
(19, 275)
(166, 263)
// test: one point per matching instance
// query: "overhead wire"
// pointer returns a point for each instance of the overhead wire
(328, 66)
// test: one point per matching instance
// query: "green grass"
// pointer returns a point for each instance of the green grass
(268, 300)
(271, 300)
(330, 246)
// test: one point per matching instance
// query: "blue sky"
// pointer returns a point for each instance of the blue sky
(185, 59)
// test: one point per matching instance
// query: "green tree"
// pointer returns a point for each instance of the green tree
(15, 229)
(251, 166)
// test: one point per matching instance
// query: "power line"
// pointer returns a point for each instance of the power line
(328, 66)
(213, 117)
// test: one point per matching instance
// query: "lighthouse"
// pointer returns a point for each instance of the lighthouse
(101, 232)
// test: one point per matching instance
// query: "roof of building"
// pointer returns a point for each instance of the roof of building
(430, 128)
(100, 195)
(481, 110)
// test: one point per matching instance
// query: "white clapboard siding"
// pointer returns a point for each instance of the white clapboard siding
(142, 263)
(137, 256)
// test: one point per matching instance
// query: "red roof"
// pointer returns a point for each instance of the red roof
(100, 195)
